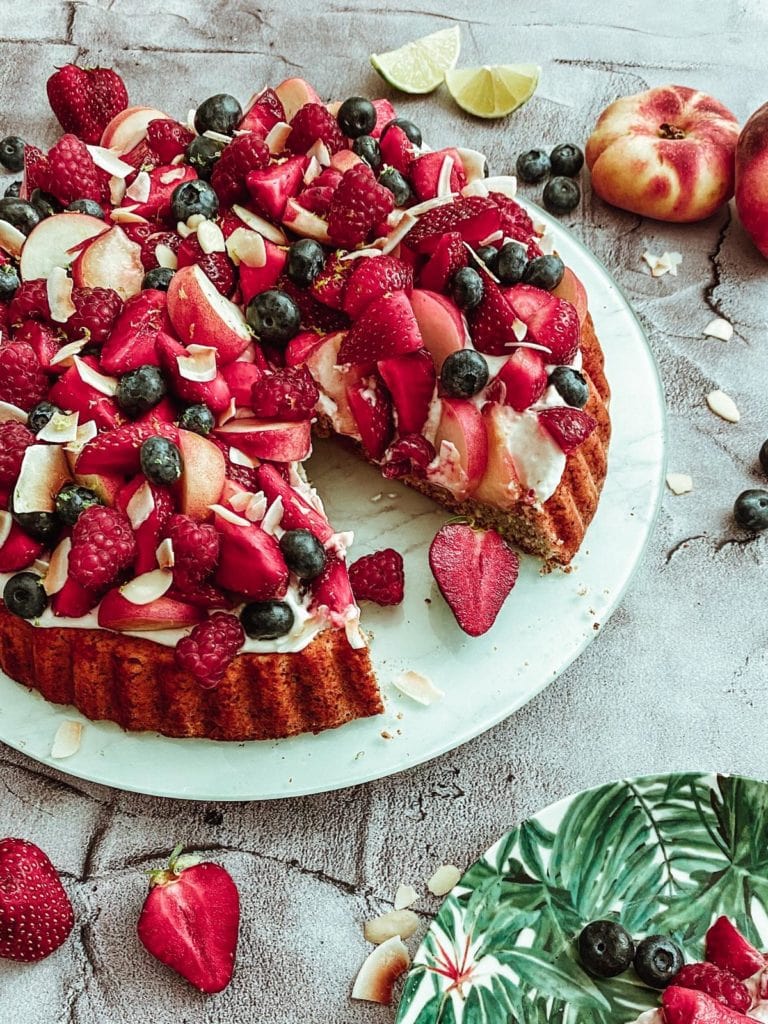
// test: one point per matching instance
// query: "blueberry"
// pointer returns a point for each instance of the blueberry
(467, 288)
(13, 190)
(41, 415)
(511, 263)
(158, 278)
(566, 159)
(464, 373)
(356, 116)
(139, 390)
(412, 132)
(160, 460)
(24, 596)
(657, 961)
(43, 526)
(273, 316)
(368, 149)
(305, 261)
(267, 620)
(202, 154)
(72, 500)
(197, 418)
(764, 456)
(45, 204)
(751, 509)
(220, 113)
(570, 385)
(532, 166)
(21, 214)
(89, 206)
(605, 949)
(12, 153)
(488, 255)
(9, 281)
(397, 185)
(561, 195)
(194, 197)
(303, 553)
(544, 272)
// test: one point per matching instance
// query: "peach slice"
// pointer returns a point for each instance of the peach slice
(293, 93)
(442, 326)
(111, 260)
(55, 242)
(117, 612)
(333, 380)
(128, 128)
(202, 479)
(275, 441)
(499, 486)
(572, 290)
(461, 425)
(202, 315)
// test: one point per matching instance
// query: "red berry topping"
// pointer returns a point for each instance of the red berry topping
(149, 246)
(378, 577)
(102, 547)
(408, 456)
(15, 438)
(43, 339)
(85, 100)
(22, 380)
(317, 200)
(285, 394)
(195, 550)
(35, 913)
(386, 328)
(72, 174)
(717, 982)
(556, 326)
(371, 278)
(397, 150)
(516, 223)
(492, 321)
(30, 302)
(358, 204)
(449, 256)
(216, 266)
(310, 123)
(35, 170)
(328, 287)
(96, 310)
(727, 947)
(569, 427)
(473, 217)
(210, 647)
(248, 152)
(167, 138)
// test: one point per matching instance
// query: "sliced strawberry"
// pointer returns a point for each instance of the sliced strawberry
(385, 113)
(473, 217)
(118, 450)
(371, 407)
(44, 342)
(162, 183)
(371, 278)
(686, 1006)
(397, 150)
(424, 172)
(332, 593)
(263, 113)
(386, 328)
(148, 533)
(75, 394)
(727, 947)
(213, 393)
(250, 561)
(240, 378)
(132, 341)
(526, 300)
(254, 280)
(411, 382)
(569, 427)
(492, 322)
(272, 187)
(299, 348)
(18, 550)
(475, 571)
(167, 138)
(164, 412)
(521, 381)
(329, 285)
(717, 982)
(297, 514)
(73, 600)
(449, 256)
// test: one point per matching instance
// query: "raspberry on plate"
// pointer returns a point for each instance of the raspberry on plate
(287, 393)
(379, 577)
(311, 123)
(358, 204)
(103, 546)
(210, 647)
(30, 302)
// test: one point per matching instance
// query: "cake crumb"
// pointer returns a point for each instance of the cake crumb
(723, 405)
(583, 590)
(377, 497)
(679, 483)
(386, 734)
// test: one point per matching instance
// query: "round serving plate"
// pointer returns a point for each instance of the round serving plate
(662, 854)
(483, 680)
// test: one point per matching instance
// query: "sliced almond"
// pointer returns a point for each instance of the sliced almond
(141, 506)
(199, 365)
(211, 237)
(376, 979)
(56, 576)
(394, 238)
(166, 257)
(495, 236)
(67, 740)
(397, 922)
(679, 483)
(59, 291)
(246, 246)
(719, 328)
(314, 170)
(139, 188)
(257, 223)
(125, 216)
(85, 433)
(148, 587)
(229, 515)
(444, 879)
(61, 428)
(241, 459)
(175, 175)
(110, 162)
(164, 554)
(723, 405)
(418, 687)
(405, 896)
(98, 381)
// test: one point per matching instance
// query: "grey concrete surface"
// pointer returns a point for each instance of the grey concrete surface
(676, 679)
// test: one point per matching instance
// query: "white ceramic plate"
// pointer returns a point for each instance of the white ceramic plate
(484, 679)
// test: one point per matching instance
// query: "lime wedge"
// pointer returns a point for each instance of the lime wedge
(493, 91)
(420, 66)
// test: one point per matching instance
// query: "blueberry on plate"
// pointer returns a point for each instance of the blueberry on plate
(605, 949)
(657, 961)
(397, 185)
(140, 390)
(220, 113)
(412, 132)
(41, 415)
(194, 197)
(561, 195)
(532, 166)
(158, 278)
(511, 263)
(197, 418)
(273, 317)
(202, 154)
(544, 272)
(751, 509)
(764, 456)
(571, 385)
(12, 153)
(368, 149)
(24, 596)
(303, 553)
(89, 206)
(21, 214)
(9, 281)
(566, 159)
(467, 288)
(72, 500)
(160, 460)
(356, 116)
(464, 373)
(305, 261)
(267, 620)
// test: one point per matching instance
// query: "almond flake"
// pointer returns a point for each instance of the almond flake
(520, 330)
(58, 567)
(126, 216)
(11, 239)
(246, 246)
(679, 483)
(256, 508)
(376, 979)
(140, 188)
(110, 162)
(59, 291)
(61, 428)
(6, 522)
(257, 223)
(418, 687)
(719, 328)
(194, 222)
(444, 178)
(443, 880)
(183, 230)
(66, 352)
(211, 237)
(12, 412)
(228, 515)
(148, 587)
(106, 385)
(493, 237)
(273, 516)
(229, 413)
(403, 923)
(199, 365)
(165, 555)
(319, 151)
(239, 500)
(67, 740)
(277, 136)
(141, 506)
(166, 257)
(723, 405)
(405, 896)
(241, 459)
(44, 471)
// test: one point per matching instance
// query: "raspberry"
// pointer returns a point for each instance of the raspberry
(96, 312)
(378, 577)
(316, 200)
(310, 123)
(717, 982)
(245, 153)
(195, 550)
(408, 456)
(72, 173)
(359, 203)
(102, 546)
(167, 138)
(149, 246)
(22, 380)
(15, 438)
(43, 339)
(515, 223)
(30, 302)
(217, 266)
(35, 170)
(209, 648)
(285, 394)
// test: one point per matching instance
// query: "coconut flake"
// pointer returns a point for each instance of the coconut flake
(257, 223)
(277, 136)
(241, 459)
(256, 508)
(246, 246)
(394, 238)
(67, 740)
(719, 328)
(405, 896)
(44, 471)
(376, 979)
(11, 239)
(319, 151)
(493, 237)
(61, 428)
(679, 483)
(110, 162)
(444, 879)
(140, 188)
(228, 515)
(723, 405)
(58, 567)
(314, 170)
(175, 175)
(473, 162)
(148, 587)
(418, 687)
(124, 215)
(199, 364)
(506, 184)
(59, 291)
(66, 353)
(520, 329)
(85, 433)
(273, 516)
(117, 190)
(339, 543)
(141, 506)
(228, 414)
(355, 254)
(183, 230)
(481, 266)
(98, 381)
(475, 188)
(164, 554)
(166, 257)
(6, 522)
(444, 178)
(403, 923)
(10, 412)
(211, 237)
(430, 204)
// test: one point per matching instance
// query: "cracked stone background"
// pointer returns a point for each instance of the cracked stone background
(676, 679)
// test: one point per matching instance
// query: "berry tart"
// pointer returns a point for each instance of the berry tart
(181, 305)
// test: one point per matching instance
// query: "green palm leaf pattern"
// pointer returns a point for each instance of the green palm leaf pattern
(666, 853)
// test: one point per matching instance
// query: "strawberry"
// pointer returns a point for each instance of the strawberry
(163, 181)
(311, 123)
(556, 326)
(35, 913)
(371, 278)
(22, 380)
(17, 551)
(449, 256)
(685, 1006)
(521, 381)
(216, 266)
(72, 174)
(118, 451)
(411, 382)
(526, 300)
(247, 152)
(492, 321)
(272, 187)
(385, 113)
(727, 948)
(386, 328)
(378, 577)
(371, 407)
(397, 150)
(475, 571)
(148, 533)
(213, 393)
(287, 393)
(132, 341)
(240, 378)
(332, 594)
(721, 984)
(408, 456)
(424, 172)
(473, 217)
(73, 392)
(44, 341)
(35, 171)
(329, 177)
(74, 600)
(263, 113)
(85, 100)
(103, 546)
(254, 280)
(569, 427)
(190, 920)
(329, 285)
(297, 514)
(250, 561)
(167, 138)
(359, 203)
(516, 223)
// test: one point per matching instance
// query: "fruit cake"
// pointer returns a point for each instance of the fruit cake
(181, 305)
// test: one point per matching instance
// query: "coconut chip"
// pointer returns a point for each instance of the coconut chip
(228, 515)
(405, 896)
(164, 554)
(506, 184)
(314, 170)
(257, 223)
(719, 328)
(394, 238)
(59, 291)
(444, 178)
(418, 687)
(12, 412)
(85, 433)
(58, 567)
(61, 428)
(141, 506)
(140, 188)
(11, 239)
(723, 405)
(320, 152)
(117, 190)
(397, 922)
(66, 352)
(175, 175)
(679, 483)
(67, 740)
(667, 263)
(6, 522)
(148, 587)
(444, 879)
(277, 136)
(106, 385)
(273, 516)
(199, 365)
(110, 162)
(376, 979)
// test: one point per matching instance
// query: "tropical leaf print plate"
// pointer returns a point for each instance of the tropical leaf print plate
(664, 853)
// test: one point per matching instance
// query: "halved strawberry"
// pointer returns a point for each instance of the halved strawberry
(727, 947)
(569, 427)
(686, 1006)
(397, 150)
(72, 392)
(386, 328)
(329, 285)
(240, 378)
(521, 381)
(424, 172)
(473, 217)
(492, 321)
(132, 341)
(162, 183)
(147, 534)
(213, 393)
(44, 342)
(556, 326)
(371, 278)
(371, 406)
(274, 186)
(449, 255)
(263, 113)
(385, 113)
(297, 514)
(526, 300)
(18, 550)
(411, 382)
(250, 561)
(332, 593)
(300, 347)
(118, 450)
(73, 600)
(254, 280)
